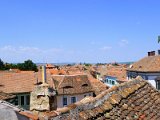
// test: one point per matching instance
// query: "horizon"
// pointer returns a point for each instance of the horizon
(78, 31)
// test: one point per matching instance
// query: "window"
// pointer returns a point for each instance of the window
(113, 83)
(106, 80)
(27, 100)
(22, 100)
(16, 100)
(64, 100)
(158, 84)
(66, 87)
(84, 85)
(73, 99)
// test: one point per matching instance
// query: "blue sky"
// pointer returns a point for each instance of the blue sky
(78, 30)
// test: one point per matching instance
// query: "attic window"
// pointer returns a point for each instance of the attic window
(84, 85)
(68, 87)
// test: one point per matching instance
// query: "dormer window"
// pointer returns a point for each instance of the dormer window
(66, 87)
(84, 85)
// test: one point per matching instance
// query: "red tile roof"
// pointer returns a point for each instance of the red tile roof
(24, 81)
(72, 84)
(97, 85)
(147, 64)
(135, 99)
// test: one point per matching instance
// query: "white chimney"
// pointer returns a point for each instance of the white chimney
(44, 76)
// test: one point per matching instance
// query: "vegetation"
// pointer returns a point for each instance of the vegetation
(28, 65)
(158, 39)
(87, 64)
(101, 64)
(115, 64)
(2, 66)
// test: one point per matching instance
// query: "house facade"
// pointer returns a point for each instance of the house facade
(64, 100)
(71, 88)
(20, 84)
(148, 68)
(110, 81)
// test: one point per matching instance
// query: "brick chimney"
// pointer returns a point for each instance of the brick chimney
(152, 53)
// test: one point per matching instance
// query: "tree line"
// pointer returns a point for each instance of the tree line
(27, 65)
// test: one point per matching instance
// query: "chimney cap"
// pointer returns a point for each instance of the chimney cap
(151, 53)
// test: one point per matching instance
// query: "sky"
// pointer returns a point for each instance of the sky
(91, 31)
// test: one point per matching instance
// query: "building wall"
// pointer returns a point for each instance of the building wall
(150, 77)
(22, 100)
(110, 81)
(78, 98)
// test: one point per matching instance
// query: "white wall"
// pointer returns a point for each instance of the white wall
(152, 82)
(151, 79)
(150, 76)
(78, 98)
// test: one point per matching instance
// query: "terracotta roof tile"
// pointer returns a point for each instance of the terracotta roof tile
(147, 64)
(135, 99)
(24, 81)
(72, 84)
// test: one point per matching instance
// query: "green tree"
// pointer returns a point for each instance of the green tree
(27, 66)
(2, 66)
(158, 39)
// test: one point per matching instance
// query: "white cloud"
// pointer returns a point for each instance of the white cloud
(106, 48)
(123, 42)
(16, 54)
(8, 48)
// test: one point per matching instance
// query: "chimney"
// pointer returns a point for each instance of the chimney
(149, 53)
(152, 53)
(158, 52)
(44, 77)
(42, 97)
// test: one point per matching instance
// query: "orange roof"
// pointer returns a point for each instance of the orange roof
(71, 84)
(49, 66)
(97, 85)
(135, 99)
(24, 81)
(57, 72)
(147, 64)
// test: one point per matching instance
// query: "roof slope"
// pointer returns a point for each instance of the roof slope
(11, 112)
(135, 99)
(97, 85)
(147, 64)
(6, 96)
(19, 82)
(71, 84)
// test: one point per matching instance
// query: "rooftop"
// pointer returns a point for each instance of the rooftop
(71, 84)
(5, 96)
(135, 99)
(20, 82)
(8, 110)
(147, 64)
